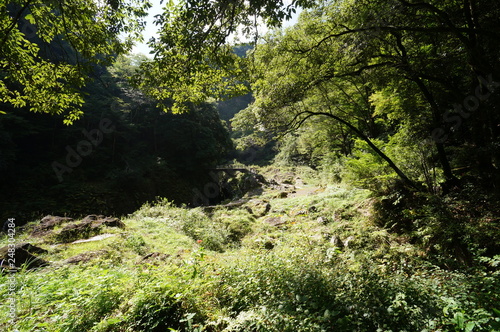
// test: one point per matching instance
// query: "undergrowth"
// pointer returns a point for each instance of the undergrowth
(330, 265)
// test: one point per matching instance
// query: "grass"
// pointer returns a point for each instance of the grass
(228, 270)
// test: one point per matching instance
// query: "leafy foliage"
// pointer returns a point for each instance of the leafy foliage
(192, 44)
(48, 49)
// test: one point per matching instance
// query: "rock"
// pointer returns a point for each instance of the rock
(48, 223)
(52, 221)
(28, 247)
(110, 222)
(260, 178)
(348, 240)
(113, 222)
(275, 221)
(336, 242)
(98, 220)
(89, 226)
(77, 231)
(252, 181)
(91, 218)
(312, 209)
(31, 248)
(322, 220)
(258, 208)
(23, 255)
(85, 257)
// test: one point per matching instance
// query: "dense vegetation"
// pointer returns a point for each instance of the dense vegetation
(385, 112)
(315, 262)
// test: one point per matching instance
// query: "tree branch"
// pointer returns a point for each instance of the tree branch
(452, 29)
(14, 23)
(365, 138)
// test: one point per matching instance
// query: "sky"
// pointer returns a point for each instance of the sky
(150, 30)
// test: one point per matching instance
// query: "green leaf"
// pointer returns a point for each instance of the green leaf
(469, 326)
(30, 18)
(459, 319)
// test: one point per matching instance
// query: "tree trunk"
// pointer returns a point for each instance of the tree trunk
(436, 116)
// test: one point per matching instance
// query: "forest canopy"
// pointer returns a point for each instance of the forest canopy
(419, 77)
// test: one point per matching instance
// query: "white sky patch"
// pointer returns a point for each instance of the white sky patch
(151, 29)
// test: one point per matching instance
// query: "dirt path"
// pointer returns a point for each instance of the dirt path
(299, 192)
(302, 189)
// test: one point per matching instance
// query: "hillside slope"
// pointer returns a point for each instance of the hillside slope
(295, 257)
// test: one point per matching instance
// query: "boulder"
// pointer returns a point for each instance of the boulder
(48, 223)
(252, 181)
(275, 221)
(89, 226)
(23, 255)
(52, 221)
(77, 231)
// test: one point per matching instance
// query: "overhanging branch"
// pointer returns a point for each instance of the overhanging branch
(365, 138)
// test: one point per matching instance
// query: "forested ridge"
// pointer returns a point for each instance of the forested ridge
(347, 165)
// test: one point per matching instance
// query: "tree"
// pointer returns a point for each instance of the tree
(48, 49)
(192, 59)
(292, 83)
(431, 56)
